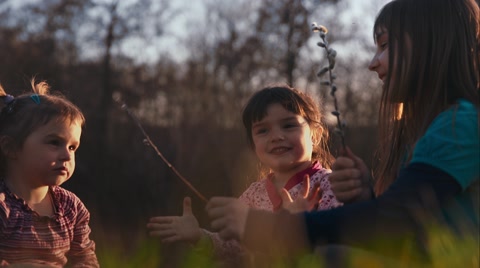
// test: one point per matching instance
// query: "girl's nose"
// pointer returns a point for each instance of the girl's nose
(373, 63)
(278, 136)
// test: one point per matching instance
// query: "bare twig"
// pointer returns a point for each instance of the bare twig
(331, 55)
(149, 142)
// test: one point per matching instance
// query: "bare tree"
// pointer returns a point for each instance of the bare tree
(110, 23)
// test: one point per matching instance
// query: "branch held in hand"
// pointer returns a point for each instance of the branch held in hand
(148, 141)
(331, 56)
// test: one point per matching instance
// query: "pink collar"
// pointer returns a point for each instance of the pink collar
(294, 180)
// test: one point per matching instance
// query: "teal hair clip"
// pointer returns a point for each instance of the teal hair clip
(35, 98)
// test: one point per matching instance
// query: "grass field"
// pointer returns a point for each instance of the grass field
(447, 250)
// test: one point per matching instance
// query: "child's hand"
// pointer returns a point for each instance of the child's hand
(307, 201)
(228, 217)
(176, 228)
(349, 179)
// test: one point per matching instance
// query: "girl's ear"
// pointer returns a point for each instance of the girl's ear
(7, 147)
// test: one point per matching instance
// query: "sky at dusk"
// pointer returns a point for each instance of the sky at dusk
(360, 12)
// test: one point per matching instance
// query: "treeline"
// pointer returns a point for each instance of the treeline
(188, 95)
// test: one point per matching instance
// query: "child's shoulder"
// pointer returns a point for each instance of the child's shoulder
(459, 121)
(65, 198)
(466, 105)
(255, 187)
(64, 193)
(462, 111)
(257, 184)
(321, 173)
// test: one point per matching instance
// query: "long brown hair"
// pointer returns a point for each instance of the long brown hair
(434, 60)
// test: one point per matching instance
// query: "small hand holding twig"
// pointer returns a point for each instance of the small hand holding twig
(176, 228)
(150, 143)
(228, 217)
(307, 201)
(331, 55)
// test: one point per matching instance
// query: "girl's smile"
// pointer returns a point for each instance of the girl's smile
(279, 150)
(283, 140)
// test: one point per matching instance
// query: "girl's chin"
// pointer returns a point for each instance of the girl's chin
(57, 181)
(289, 166)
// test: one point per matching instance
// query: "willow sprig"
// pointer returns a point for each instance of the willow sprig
(150, 143)
(331, 56)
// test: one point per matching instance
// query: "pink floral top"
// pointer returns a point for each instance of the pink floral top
(263, 195)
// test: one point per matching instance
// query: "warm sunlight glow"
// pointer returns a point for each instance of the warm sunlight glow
(399, 111)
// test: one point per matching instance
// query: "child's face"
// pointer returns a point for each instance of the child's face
(283, 140)
(379, 62)
(47, 156)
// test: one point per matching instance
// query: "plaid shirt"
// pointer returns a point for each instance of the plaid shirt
(27, 237)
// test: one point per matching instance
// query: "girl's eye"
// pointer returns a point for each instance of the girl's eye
(290, 125)
(260, 131)
(72, 148)
(383, 46)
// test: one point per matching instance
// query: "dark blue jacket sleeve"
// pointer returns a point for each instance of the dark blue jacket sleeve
(390, 221)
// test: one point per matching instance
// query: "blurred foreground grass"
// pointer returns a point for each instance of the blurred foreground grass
(446, 249)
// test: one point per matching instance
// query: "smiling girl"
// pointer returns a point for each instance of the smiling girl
(428, 56)
(285, 129)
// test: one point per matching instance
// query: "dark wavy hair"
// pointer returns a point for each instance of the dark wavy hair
(296, 102)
